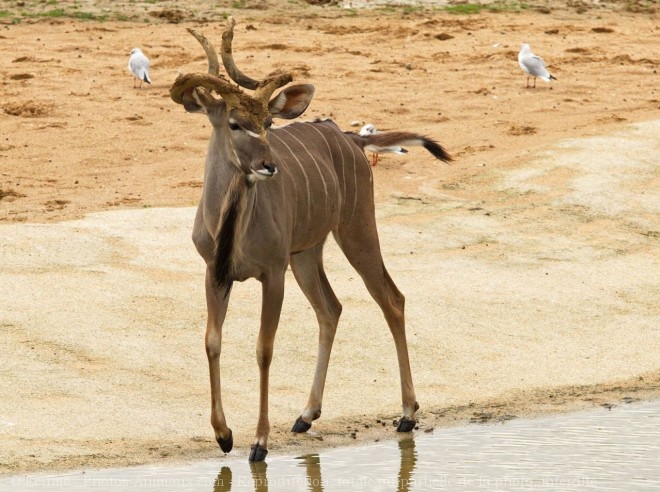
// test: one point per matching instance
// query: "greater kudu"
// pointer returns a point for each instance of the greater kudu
(271, 196)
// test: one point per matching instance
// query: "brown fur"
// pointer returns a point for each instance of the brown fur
(228, 242)
(306, 180)
(385, 139)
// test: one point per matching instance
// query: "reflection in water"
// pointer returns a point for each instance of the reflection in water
(259, 478)
(408, 460)
(312, 465)
(598, 450)
(223, 482)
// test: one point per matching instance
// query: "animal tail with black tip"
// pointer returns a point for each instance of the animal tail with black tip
(389, 139)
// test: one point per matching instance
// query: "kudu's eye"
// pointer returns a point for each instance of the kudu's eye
(234, 126)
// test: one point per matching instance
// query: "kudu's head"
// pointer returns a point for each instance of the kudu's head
(240, 120)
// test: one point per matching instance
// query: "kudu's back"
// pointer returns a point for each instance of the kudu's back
(325, 175)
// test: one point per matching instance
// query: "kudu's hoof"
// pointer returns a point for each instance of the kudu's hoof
(257, 453)
(406, 425)
(226, 444)
(300, 426)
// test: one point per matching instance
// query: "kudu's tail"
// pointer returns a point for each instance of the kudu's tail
(394, 141)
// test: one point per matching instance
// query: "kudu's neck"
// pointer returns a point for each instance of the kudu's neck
(236, 196)
(220, 169)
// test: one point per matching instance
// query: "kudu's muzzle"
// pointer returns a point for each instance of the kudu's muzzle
(266, 171)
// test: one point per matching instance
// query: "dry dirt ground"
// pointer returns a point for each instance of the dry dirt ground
(530, 265)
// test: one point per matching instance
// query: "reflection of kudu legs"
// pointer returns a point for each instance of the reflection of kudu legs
(313, 471)
(408, 461)
(259, 477)
(307, 267)
(359, 242)
(223, 480)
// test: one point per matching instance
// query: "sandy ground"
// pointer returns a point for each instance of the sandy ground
(531, 265)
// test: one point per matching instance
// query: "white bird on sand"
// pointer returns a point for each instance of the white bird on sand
(370, 129)
(533, 65)
(138, 65)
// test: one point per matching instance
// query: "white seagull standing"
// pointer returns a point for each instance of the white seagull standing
(533, 65)
(370, 129)
(138, 65)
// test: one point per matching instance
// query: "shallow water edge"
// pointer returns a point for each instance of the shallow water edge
(605, 449)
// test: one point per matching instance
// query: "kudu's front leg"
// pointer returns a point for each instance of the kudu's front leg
(216, 302)
(271, 306)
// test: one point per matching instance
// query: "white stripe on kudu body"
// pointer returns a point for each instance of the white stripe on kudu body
(333, 170)
(318, 168)
(253, 221)
(302, 172)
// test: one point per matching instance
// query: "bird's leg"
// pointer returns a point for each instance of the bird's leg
(374, 158)
(534, 83)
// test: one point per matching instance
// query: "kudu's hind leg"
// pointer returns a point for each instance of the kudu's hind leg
(361, 247)
(307, 267)
(216, 302)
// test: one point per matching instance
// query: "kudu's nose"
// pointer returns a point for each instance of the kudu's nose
(270, 167)
(266, 171)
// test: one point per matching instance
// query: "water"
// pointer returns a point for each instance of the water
(600, 450)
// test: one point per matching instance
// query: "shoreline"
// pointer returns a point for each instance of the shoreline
(528, 404)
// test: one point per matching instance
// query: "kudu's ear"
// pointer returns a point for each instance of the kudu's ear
(291, 102)
(197, 100)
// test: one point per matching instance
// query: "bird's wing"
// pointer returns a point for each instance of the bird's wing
(393, 141)
(396, 149)
(138, 62)
(134, 65)
(534, 65)
(139, 66)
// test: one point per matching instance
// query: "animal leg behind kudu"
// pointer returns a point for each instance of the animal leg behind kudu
(359, 242)
(216, 302)
(271, 307)
(307, 267)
